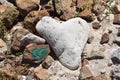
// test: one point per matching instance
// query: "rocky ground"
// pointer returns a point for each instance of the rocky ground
(26, 55)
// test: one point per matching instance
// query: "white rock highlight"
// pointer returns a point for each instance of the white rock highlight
(66, 38)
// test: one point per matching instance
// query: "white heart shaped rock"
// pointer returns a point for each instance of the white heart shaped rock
(67, 39)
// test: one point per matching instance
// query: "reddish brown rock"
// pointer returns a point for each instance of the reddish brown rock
(42, 74)
(21, 70)
(26, 6)
(118, 33)
(99, 6)
(96, 25)
(32, 18)
(36, 53)
(116, 19)
(116, 9)
(85, 73)
(8, 15)
(105, 38)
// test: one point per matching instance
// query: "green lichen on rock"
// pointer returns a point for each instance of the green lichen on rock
(39, 53)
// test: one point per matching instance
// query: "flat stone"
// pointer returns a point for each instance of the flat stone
(3, 47)
(116, 19)
(67, 39)
(116, 8)
(102, 77)
(96, 25)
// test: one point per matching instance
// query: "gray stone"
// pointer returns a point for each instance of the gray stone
(115, 73)
(67, 39)
(116, 56)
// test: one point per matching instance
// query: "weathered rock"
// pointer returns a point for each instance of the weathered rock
(85, 73)
(26, 6)
(67, 46)
(3, 47)
(99, 6)
(36, 53)
(116, 9)
(8, 15)
(105, 38)
(33, 17)
(21, 70)
(21, 37)
(42, 74)
(96, 25)
(6, 3)
(102, 77)
(116, 19)
(115, 73)
(47, 62)
(85, 62)
(116, 56)
(118, 34)
(66, 7)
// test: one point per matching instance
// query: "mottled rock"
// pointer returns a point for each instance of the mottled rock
(32, 18)
(116, 56)
(21, 37)
(21, 70)
(6, 3)
(99, 6)
(8, 15)
(118, 33)
(47, 62)
(85, 62)
(116, 19)
(3, 46)
(85, 73)
(96, 25)
(105, 38)
(115, 73)
(42, 74)
(67, 46)
(26, 6)
(116, 9)
(35, 53)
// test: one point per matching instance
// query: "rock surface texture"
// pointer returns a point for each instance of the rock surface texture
(66, 38)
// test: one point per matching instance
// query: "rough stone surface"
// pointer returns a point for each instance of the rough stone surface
(102, 77)
(36, 57)
(8, 15)
(65, 44)
(26, 6)
(115, 73)
(32, 18)
(116, 56)
(116, 8)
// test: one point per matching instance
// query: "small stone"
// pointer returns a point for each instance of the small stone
(105, 38)
(118, 34)
(21, 70)
(96, 25)
(85, 73)
(35, 53)
(8, 15)
(47, 62)
(32, 18)
(42, 74)
(116, 56)
(115, 73)
(3, 47)
(85, 62)
(102, 77)
(116, 8)
(65, 38)
(116, 19)
(26, 6)
(99, 6)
